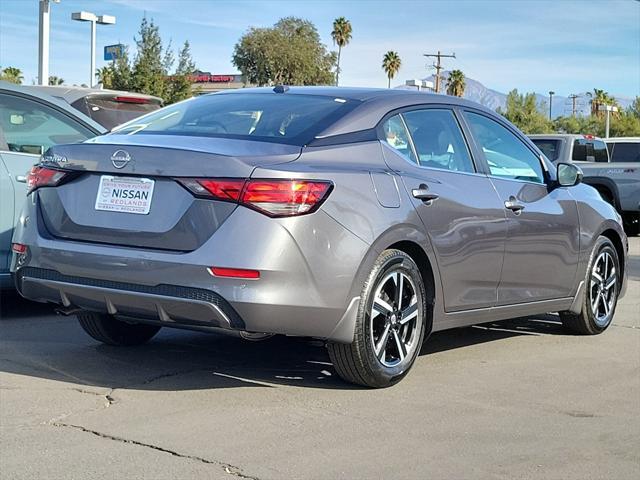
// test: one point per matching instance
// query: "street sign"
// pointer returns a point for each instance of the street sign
(112, 52)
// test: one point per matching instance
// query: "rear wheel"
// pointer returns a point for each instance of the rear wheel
(107, 329)
(602, 285)
(390, 325)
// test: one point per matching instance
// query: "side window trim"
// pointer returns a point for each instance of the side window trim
(543, 165)
(410, 137)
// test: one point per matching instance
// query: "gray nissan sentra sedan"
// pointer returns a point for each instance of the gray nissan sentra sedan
(367, 218)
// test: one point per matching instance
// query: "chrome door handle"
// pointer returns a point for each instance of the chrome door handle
(423, 193)
(21, 178)
(513, 205)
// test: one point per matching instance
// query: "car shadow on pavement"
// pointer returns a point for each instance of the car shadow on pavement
(37, 343)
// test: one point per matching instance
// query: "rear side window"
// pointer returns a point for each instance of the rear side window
(550, 148)
(438, 140)
(397, 137)
(588, 150)
(116, 110)
(625, 152)
(506, 154)
(285, 118)
(32, 127)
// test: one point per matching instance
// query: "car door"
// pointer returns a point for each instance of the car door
(27, 128)
(542, 247)
(459, 207)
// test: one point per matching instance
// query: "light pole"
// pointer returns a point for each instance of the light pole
(93, 18)
(43, 42)
(608, 109)
(551, 94)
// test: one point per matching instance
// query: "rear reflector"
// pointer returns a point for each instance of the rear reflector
(234, 273)
(275, 198)
(19, 248)
(43, 177)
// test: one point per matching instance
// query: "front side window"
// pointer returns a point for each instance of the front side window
(31, 127)
(589, 150)
(438, 140)
(284, 118)
(625, 152)
(506, 154)
(397, 137)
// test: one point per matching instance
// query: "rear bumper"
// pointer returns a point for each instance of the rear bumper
(307, 268)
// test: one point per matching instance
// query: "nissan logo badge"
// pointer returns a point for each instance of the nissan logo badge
(120, 158)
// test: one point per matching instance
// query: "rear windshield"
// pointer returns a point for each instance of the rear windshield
(590, 150)
(284, 118)
(625, 152)
(113, 111)
(550, 148)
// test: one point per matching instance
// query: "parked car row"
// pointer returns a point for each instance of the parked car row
(368, 218)
(611, 166)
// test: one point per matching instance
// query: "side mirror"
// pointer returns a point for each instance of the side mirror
(569, 174)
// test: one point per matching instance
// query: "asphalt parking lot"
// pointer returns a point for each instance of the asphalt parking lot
(516, 399)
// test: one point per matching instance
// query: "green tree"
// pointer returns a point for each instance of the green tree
(456, 83)
(53, 80)
(149, 72)
(634, 108)
(105, 76)
(288, 53)
(179, 84)
(524, 112)
(391, 64)
(341, 35)
(12, 75)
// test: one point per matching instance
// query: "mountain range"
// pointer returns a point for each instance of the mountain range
(561, 106)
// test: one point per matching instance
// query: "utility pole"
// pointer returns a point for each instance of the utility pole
(551, 94)
(573, 98)
(438, 65)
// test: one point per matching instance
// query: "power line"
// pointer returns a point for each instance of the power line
(438, 65)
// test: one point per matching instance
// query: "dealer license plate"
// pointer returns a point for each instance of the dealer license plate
(124, 194)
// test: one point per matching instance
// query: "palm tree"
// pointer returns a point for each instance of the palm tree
(105, 76)
(456, 83)
(600, 97)
(341, 35)
(12, 74)
(391, 64)
(53, 80)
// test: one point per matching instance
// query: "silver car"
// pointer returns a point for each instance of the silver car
(367, 218)
(30, 123)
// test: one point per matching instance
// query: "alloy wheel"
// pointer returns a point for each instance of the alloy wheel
(394, 317)
(603, 287)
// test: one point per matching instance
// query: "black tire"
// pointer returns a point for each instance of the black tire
(109, 330)
(357, 362)
(587, 322)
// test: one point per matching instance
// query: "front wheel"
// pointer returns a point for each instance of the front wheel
(390, 324)
(602, 284)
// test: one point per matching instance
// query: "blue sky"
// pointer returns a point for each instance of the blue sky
(559, 45)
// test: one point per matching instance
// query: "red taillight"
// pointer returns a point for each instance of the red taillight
(234, 273)
(276, 198)
(284, 198)
(131, 100)
(19, 248)
(43, 177)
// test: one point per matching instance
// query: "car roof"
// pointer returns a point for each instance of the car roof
(375, 103)
(622, 140)
(7, 87)
(71, 94)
